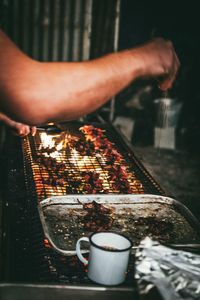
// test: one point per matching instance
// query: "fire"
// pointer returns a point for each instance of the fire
(50, 141)
(46, 243)
(65, 161)
(82, 162)
(47, 140)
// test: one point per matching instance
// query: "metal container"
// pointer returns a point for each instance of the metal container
(167, 112)
(63, 219)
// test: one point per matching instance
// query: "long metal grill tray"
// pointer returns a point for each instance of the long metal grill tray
(62, 219)
(75, 164)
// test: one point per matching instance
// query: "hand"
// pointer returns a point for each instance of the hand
(159, 61)
(17, 128)
(22, 130)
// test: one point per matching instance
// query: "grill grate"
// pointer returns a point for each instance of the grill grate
(46, 264)
(56, 166)
(33, 260)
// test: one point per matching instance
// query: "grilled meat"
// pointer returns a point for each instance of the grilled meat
(52, 163)
(117, 174)
(48, 150)
(154, 225)
(82, 146)
(93, 183)
(97, 217)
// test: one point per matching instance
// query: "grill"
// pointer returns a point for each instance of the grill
(83, 159)
(28, 255)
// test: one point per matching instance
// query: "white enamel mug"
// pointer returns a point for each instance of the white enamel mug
(108, 257)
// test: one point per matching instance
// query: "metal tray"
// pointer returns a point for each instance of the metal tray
(61, 218)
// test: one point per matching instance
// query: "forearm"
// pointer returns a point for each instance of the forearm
(45, 92)
(75, 89)
(34, 93)
(7, 121)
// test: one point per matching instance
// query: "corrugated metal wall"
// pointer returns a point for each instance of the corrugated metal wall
(104, 27)
(51, 30)
(105, 31)
(64, 30)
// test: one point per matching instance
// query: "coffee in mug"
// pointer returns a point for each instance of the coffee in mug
(108, 257)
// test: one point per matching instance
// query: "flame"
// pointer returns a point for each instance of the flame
(64, 153)
(60, 146)
(81, 161)
(47, 140)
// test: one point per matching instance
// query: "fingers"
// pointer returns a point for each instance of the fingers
(23, 130)
(160, 62)
(33, 130)
(20, 130)
(169, 78)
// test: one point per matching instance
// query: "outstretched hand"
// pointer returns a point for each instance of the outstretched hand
(160, 61)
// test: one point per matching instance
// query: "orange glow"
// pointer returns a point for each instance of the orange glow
(51, 181)
(46, 243)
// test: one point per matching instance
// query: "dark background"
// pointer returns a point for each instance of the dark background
(177, 171)
(178, 21)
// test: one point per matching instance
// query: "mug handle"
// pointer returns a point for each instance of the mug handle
(78, 249)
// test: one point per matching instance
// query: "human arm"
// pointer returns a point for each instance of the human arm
(36, 93)
(17, 128)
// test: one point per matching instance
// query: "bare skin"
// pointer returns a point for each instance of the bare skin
(36, 93)
(17, 128)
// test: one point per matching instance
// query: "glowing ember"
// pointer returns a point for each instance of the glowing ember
(46, 243)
